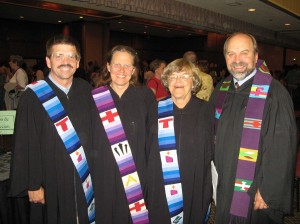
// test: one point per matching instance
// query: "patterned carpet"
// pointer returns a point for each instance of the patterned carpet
(292, 219)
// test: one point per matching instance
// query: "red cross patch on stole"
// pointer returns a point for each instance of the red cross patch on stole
(137, 206)
(165, 122)
(110, 116)
(63, 124)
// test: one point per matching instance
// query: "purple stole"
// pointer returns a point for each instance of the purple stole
(250, 137)
(121, 150)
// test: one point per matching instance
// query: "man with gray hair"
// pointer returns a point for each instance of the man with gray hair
(256, 141)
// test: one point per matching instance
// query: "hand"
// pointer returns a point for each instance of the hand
(259, 202)
(37, 196)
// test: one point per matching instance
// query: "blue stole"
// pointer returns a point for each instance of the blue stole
(69, 137)
(169, 160)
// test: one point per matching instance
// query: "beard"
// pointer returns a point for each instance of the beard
(240, 75)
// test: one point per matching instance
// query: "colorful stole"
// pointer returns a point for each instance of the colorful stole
(122, 153)
(69, 137)
(169, 160)
(250, 137)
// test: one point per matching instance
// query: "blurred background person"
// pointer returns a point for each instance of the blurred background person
(154, 83)
(206, 87)
(16, 83)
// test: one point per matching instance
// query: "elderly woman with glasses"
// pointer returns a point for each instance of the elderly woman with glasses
(125, 111)
(179, 185)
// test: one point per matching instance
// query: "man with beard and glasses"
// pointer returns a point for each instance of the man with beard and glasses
(255, 144)
(52, 152)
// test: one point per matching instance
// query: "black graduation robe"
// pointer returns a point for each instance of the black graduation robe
(40, 158)
(275, 165)
(135, 108)
(194, 141)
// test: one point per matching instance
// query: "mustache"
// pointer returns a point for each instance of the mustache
(65, 65)
(239, 64)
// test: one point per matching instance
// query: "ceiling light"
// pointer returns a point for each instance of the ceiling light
(120, 22)
(59, 21)
(21, 17)
(122, 29)
(80, 17)
(251, 10)
(287, 24)
(145, 32)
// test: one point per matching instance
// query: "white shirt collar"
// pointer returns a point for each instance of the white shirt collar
(64, 89)
(241, 82)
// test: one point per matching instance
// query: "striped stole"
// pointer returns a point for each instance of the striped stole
(169, 160)
(250, 137)
(122, 153)
(69, 137)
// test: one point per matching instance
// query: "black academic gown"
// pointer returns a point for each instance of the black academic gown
(274, 173)
(194, 141)
(135, 108)
(40, 159)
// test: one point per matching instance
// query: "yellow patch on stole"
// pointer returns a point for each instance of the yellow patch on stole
(248, 154)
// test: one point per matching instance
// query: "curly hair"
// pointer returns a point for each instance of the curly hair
(180, 65)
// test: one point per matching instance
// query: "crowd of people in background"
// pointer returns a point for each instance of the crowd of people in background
(146, 70)
(166, 131)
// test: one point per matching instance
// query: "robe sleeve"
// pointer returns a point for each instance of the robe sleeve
(26, 167)
(151, 105)
(278, 144)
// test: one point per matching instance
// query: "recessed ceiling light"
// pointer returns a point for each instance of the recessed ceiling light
(294, 59)
(21, 17)
(251, 10)
(287, 24)
(145, 32)
(120, 22)
(122, 29)
(168, 30)
(59, 21)
(80, 17)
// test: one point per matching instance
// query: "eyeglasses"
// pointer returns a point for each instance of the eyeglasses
(60, 56)
(182, 77)
(118, 67)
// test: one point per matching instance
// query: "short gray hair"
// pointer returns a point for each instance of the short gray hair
(179, 65)
(16, 59)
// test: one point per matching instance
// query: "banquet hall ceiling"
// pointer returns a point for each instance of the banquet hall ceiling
(267, 15)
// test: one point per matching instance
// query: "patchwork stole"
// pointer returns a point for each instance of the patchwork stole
(122, 153)
(169, 160)
(69, 137)
(250, 136)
